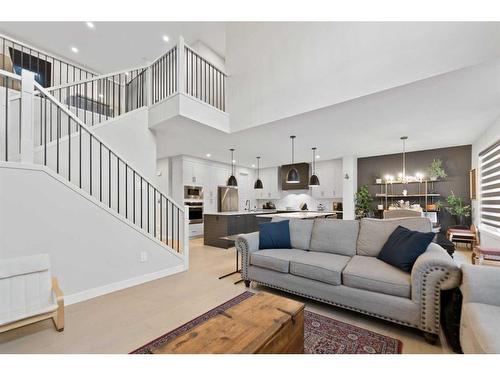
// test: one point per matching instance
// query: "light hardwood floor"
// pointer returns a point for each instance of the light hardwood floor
(125, 320)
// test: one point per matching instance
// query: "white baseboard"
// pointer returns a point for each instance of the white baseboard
(113, 287)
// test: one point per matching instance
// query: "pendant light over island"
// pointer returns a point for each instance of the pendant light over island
(232, 182)
(293, 176)
(258, 183)
(313, 180)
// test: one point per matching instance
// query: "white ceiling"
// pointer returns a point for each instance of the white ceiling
(447, 110)
(281, 69)
(113, 46)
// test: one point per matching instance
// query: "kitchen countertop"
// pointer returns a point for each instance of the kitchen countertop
(235, 213)
(299, 215)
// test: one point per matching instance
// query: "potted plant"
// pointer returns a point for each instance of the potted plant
(457, 208)
(363, 203)
(436, 170)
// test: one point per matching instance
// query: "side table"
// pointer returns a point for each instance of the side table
(480, 254)
(233, 238)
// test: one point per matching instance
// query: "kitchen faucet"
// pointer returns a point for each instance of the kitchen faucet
(247, 203)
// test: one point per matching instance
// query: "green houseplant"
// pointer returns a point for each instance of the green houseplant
(436, 170)
(457, 208)
(363, 202)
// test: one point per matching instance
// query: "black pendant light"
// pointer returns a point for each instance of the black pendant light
(292, 177)
(314, 180)
(232, 180)
(258, 182)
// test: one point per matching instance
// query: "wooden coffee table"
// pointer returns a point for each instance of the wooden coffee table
(263, 323)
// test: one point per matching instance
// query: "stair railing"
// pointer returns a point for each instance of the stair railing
(49, 70)
(10, 119)
(82, 158)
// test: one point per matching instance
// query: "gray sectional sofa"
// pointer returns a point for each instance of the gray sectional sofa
(479, 323)
(335, 261)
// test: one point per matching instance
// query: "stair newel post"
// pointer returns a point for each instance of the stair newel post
(181, 66)
(27, 124)
(185, 249)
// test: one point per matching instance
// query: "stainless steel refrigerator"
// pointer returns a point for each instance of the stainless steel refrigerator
(227, 199)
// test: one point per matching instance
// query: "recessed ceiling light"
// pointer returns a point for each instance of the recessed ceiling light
(317, 156)
(166, 38)
(90, 25)
(208, 155)
(253, 165)
(74, 49)
(234, 161)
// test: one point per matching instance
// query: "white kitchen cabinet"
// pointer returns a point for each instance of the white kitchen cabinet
(330, 179)
(195, 230)
(269, 177)
(195, 173)
(217, 176)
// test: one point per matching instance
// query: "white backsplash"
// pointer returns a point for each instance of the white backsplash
(294, 200)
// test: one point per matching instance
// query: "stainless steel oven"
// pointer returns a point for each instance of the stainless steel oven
(193, 192)
(195, 212)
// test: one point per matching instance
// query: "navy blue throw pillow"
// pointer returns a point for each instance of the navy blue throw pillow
(275, 235)
(404, 246)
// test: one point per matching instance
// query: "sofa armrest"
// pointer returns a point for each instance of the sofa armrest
(247, 244)
(481, 284)
(433, 271)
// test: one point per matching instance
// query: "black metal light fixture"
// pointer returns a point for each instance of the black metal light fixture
(232, 180)
(258, 183)
(293, 177)
(314, 180)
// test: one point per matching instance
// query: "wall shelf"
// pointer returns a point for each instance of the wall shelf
(382, 195)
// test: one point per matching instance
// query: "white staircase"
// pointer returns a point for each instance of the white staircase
(39, 133)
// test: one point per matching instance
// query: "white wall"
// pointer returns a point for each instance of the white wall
(209, 54)
(92, 250)
(349, 188)
(281, 69)
(489, 137)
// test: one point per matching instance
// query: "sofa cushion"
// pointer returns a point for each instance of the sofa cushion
(319, 266)
(274, 235)
(479, 331)
(300, 232)
(275, 259)
(373, 233)
(403, 247)
(334, 236)
(372, 274)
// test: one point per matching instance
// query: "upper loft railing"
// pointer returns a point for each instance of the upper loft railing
(106, 96)
(49, 70)
(76, 153)
(204, 81)
(179, 70)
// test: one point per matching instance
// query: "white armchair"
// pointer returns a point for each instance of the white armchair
(28, 294)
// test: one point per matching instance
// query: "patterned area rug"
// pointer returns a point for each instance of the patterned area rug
(322, 335)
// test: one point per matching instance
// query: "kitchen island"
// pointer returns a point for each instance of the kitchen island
(223, 224)
(299, 215)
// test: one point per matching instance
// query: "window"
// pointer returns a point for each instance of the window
(42, 69)
(489, 186)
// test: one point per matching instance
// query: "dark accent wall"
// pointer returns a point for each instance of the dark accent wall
(456, 163)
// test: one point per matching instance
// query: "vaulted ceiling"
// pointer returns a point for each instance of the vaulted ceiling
(347, 88)
(112, 46)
